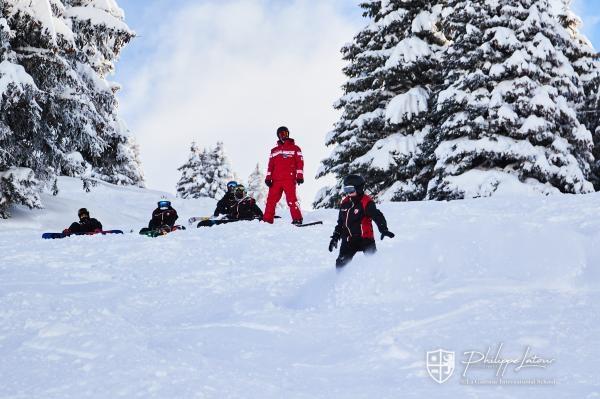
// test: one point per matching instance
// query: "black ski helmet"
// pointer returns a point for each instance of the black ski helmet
(83, 212)
(354, 183)
(282, 130)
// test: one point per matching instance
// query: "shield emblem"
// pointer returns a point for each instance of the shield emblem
(440, 365)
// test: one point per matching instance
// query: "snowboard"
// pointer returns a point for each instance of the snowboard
(161, 231)
(54, 236)
(195, 219)
(208, 222)
(309, 224)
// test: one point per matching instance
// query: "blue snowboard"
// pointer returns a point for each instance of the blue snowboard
(52, 236)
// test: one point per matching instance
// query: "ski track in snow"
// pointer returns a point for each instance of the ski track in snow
(250, 310)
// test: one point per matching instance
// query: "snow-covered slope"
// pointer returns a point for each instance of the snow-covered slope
(250, 310)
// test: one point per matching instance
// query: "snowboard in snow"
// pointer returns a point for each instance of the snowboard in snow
(53, 236)
(309, 224)
(215, 222)
(160, 232)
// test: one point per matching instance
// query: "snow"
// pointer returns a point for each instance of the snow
(13, 73)
(408, 50)
(406, 105)
(97, 16)
(485, 183)
(385, 151)
(258, 311)
(41, 11)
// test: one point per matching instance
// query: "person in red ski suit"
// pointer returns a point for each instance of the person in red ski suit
(285, 171)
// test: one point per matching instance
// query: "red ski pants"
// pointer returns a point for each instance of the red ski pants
(275, 193)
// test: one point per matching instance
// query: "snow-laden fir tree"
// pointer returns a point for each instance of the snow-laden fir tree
(585, 61)
(58, 110)
(505, 119)
(256, 186)
(205, 174)
(190, 184)
(393, 67)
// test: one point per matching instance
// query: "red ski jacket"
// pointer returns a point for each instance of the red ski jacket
(356, 218)
(286, 162)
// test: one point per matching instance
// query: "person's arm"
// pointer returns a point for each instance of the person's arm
(257, 211)
(337, 232)
(270, 167)
(219, 210)
(379, 220)
(299, 165)
(97, 225)
(377, 216)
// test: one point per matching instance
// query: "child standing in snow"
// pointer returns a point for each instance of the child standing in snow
(354, 226)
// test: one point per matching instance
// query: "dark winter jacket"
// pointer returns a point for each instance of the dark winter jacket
(286, 162)
(87, 225)
(245, 208)
(225, 204)
(356, 217)
(162, 217)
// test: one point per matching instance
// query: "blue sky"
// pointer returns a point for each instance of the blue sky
(234, 70)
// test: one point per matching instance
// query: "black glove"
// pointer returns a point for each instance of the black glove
(268, 182)
(300, 180)
(334, 242)
(387, 233)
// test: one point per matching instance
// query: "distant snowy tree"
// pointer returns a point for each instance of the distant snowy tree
(205, 174)
(393, 68)
(256, 185)
(505, 113)
(58, 110)
(190, 184)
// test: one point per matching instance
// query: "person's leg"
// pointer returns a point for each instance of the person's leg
(275, 192)
(292, 200)
(369, 247)
(347, 252)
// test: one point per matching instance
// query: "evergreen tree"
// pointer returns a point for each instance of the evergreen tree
(58, 110)
(205, 174)
(393, 68)
(585, 62)
(256, 186)
(189, 185)
(504, 115)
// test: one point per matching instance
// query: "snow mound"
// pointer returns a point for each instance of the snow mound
(258, 311)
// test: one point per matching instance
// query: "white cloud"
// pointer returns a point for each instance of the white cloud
(234, 71)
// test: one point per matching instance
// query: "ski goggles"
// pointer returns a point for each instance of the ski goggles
(231, 184)
(349, 189)
(164, 204)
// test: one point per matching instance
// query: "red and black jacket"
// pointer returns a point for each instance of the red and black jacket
(356, 218)
(245, 208)
(286, 162)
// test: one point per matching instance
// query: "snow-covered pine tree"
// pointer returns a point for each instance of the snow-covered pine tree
(58, 111)
(189, 185)
(205, 174)
(505, 121)
(256, 186)
(218, 171)
(393, 66)
(585, 61)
